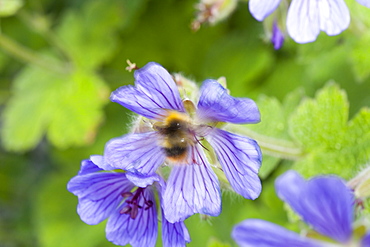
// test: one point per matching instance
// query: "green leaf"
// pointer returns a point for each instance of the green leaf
(319, 123)
(68, 107)
(332, 145)
(271, 111)
(275, 115)
(269, 163)
(9, 7)
(272, 132)
(89, 34)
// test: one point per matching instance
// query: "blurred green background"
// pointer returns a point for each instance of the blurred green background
(59, 61)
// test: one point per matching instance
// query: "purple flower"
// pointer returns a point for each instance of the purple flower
(277, 38)
(128, 201)
(177, 139)
(306, 19)
(325, 203)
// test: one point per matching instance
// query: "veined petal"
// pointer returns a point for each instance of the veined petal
(306, 18)
(100, 162)
(260, 233)
(87, 166)
(141, 180)
(334, 16)
(154, 91)
(174, 234)
(142, 231)
(303, 22)
(215, 104)
(325, 203)
(240, 158)
(135, 153)
(260, 9)
(192, 188)
(366, 3)
(99, 194)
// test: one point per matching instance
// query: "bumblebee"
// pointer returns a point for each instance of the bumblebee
(177, 137)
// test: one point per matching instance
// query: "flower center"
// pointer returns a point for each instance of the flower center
(133, 200)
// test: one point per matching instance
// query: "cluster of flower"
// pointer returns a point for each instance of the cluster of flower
(169, 132)
(129, 185)
(305, 19)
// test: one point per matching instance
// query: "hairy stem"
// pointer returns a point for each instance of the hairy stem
(270, 145)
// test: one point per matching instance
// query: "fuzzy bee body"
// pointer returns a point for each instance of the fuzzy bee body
(176, 136)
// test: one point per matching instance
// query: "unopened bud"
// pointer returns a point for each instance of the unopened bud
(213, 11)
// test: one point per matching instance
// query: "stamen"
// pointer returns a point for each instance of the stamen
(126, 194)
(134, 212)
(125, 210)
(201, 143)
(131, 66)
(149, 204)
(132, 200)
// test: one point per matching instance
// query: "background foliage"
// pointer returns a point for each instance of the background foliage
(59, 61)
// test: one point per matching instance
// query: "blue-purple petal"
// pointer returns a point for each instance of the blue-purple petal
(365, 3)
(240, 158)
(260, 233)
(142, 231)
(99, 194)
(87, 166)
(135, 152)
(215, 104)
(260, 9)
(325, 203)
(192, 188)
(154, 91)
(141, 180)
(365, 242)
(277, 38)
(305, 19)
(174, 234)
(100, 162)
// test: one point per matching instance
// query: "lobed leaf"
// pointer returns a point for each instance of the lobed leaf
(332, 144)
(67, 107)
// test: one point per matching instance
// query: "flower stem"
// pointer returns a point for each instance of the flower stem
(270, 145)
(17, 50)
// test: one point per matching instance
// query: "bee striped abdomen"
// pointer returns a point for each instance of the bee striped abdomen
(175, 152)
